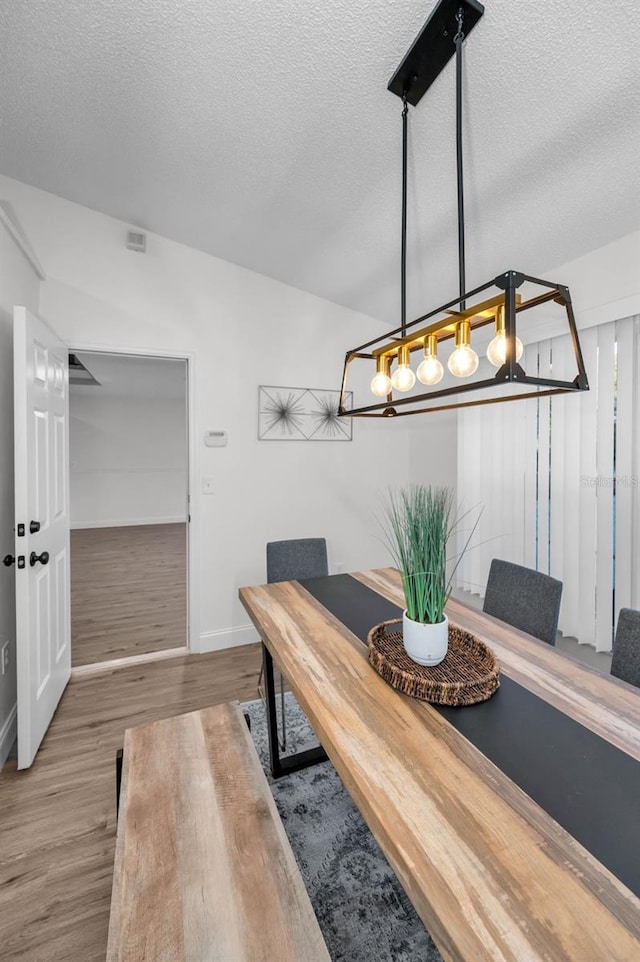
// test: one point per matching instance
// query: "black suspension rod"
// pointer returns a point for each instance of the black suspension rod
(461, 261)
(403, 265)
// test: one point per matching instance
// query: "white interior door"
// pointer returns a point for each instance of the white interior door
(43, 630)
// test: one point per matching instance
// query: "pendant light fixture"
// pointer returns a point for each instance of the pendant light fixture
(392, 389)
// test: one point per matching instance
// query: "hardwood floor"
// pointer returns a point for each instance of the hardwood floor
(58, 818)
(128, 591)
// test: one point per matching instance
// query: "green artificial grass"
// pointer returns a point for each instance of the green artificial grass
(420, 521)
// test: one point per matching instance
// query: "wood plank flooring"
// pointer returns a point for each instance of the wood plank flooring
(128, 591)
(57, 819)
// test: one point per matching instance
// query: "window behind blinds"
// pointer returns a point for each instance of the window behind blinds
(559, 479)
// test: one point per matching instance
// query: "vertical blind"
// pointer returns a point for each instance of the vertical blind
(558, 480)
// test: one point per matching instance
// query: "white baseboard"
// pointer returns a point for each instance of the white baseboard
(228, 638)
(128, 522)
(8, 734)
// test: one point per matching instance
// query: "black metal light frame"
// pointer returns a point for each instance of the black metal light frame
(511, 373)
(441, 38)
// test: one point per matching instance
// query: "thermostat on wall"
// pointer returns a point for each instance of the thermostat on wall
(216, 439)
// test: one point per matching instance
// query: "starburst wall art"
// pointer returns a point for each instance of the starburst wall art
(301, 414)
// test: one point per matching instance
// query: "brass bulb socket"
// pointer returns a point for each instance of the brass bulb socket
(500, 325)
(431, 345)
(463, 334)
(403, 355)
(383, 363)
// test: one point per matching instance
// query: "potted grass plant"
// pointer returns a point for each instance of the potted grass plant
(420, 523)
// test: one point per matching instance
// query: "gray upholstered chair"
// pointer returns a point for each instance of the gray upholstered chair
(526, 599)
(625, 662)
(292, 561)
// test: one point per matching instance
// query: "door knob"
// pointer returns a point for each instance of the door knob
(8, 560)
(42, 558)
(34, 527)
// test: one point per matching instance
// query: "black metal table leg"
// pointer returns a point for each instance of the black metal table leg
(290, 763)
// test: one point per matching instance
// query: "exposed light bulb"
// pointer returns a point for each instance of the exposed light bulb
(430, 370)
(497, 350)
(381, 382)
(463, 361)
(381, 385)
(403, 377)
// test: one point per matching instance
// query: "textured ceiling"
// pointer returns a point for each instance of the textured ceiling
(261, 131)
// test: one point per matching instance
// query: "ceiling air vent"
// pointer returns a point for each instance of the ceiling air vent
(78, 373)
(137, 241)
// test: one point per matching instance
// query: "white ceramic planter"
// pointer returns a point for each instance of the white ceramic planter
(425, 644)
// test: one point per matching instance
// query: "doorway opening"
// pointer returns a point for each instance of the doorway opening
(129, 507)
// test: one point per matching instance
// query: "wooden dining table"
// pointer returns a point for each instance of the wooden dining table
(513, 825)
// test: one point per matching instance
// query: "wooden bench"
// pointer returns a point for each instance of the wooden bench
(203, 869)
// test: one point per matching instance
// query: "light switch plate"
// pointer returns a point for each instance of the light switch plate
(208, 486)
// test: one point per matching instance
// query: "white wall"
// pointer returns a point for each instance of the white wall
(604, 285)
(19, 284)
(242, 330)
(128, 459)
(433, 452)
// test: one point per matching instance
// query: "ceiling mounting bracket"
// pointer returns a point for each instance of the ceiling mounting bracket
(433, 48)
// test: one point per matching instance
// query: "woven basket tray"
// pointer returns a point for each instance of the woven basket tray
(469, 673)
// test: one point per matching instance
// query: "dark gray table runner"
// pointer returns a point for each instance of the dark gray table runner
(590, 787)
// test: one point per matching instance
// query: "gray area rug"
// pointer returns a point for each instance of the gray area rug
(362, 909)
